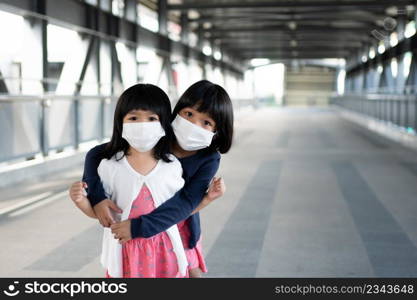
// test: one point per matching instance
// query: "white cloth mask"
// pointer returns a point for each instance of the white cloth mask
(190, 136)
(143, 136)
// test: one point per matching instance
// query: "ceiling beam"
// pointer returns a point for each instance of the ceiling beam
(279, 57)
(356, 24)
(290, 34)
(291, 17)
(287, 45)
(290, 11)
(312, 41)
(285, 28)
(332, 14)
(286, 48)
(289, 4)
(294, 53)
(279, 36)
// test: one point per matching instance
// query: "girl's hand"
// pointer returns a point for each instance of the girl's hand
(121, 231)
(103, 211)
(77, 192)
(216, 189)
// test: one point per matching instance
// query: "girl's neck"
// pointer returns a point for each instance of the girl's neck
(141, 162)
(140, 156)
(181, 153)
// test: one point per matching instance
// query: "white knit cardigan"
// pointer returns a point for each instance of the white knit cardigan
(122, 185)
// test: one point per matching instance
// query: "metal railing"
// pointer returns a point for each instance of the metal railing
(38, 124)
(400, 110)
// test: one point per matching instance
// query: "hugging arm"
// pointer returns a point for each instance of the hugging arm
(180, 206)
(96, 191)
(96, 194)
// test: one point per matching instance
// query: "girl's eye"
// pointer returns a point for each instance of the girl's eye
(133, 118)
(207, 123)
(188, 113)
(153, 119)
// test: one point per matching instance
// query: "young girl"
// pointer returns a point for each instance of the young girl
(138, 174)
(203, 127)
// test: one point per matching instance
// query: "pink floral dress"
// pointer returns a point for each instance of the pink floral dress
(152, 257)
(195, 255)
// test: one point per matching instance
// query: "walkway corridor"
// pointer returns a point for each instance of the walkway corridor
(308, 195)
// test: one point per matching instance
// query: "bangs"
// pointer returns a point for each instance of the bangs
(208, 103)
(134, 103)
(143, 102)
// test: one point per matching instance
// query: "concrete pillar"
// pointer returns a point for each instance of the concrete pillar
(39, 28)
(131, 12)
(200, 36)
(400, 81)
(184, 28)
(163, 17)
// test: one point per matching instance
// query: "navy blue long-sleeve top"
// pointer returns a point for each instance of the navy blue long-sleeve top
(198, 170)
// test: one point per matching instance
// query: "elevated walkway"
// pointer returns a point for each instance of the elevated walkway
(309, 194)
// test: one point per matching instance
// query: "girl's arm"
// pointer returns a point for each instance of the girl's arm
(96, 194)
(86, 208)
(80, 200)
(216, 190)
(95, 191)
(181, 205)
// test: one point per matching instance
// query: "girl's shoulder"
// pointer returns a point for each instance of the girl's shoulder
(210, 159)
(203, 160)
(97, 150)
(113, 163)
(206, 155)
(209, 154)
(167, 170)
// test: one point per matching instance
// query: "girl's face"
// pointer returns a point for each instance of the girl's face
(198, 118)
(140, 115)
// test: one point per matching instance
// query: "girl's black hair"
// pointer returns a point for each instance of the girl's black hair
(212, 99)
(144, 97)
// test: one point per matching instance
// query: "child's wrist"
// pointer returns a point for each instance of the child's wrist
(207, 198)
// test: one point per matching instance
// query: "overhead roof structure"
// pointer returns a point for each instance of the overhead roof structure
(291, 29)
(279, 30)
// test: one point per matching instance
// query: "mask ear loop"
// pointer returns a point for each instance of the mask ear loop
(215, 136)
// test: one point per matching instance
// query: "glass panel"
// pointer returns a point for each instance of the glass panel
(20, 130)
(150, 65)
(90, 108)
(127, 59)
(109, 108)
(118, 7)
(20, 69)
(148, 18)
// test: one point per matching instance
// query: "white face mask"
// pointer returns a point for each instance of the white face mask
(190, 136)
(143, 136)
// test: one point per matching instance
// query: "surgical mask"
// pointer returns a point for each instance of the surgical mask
(143, 136)
(190, 136)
